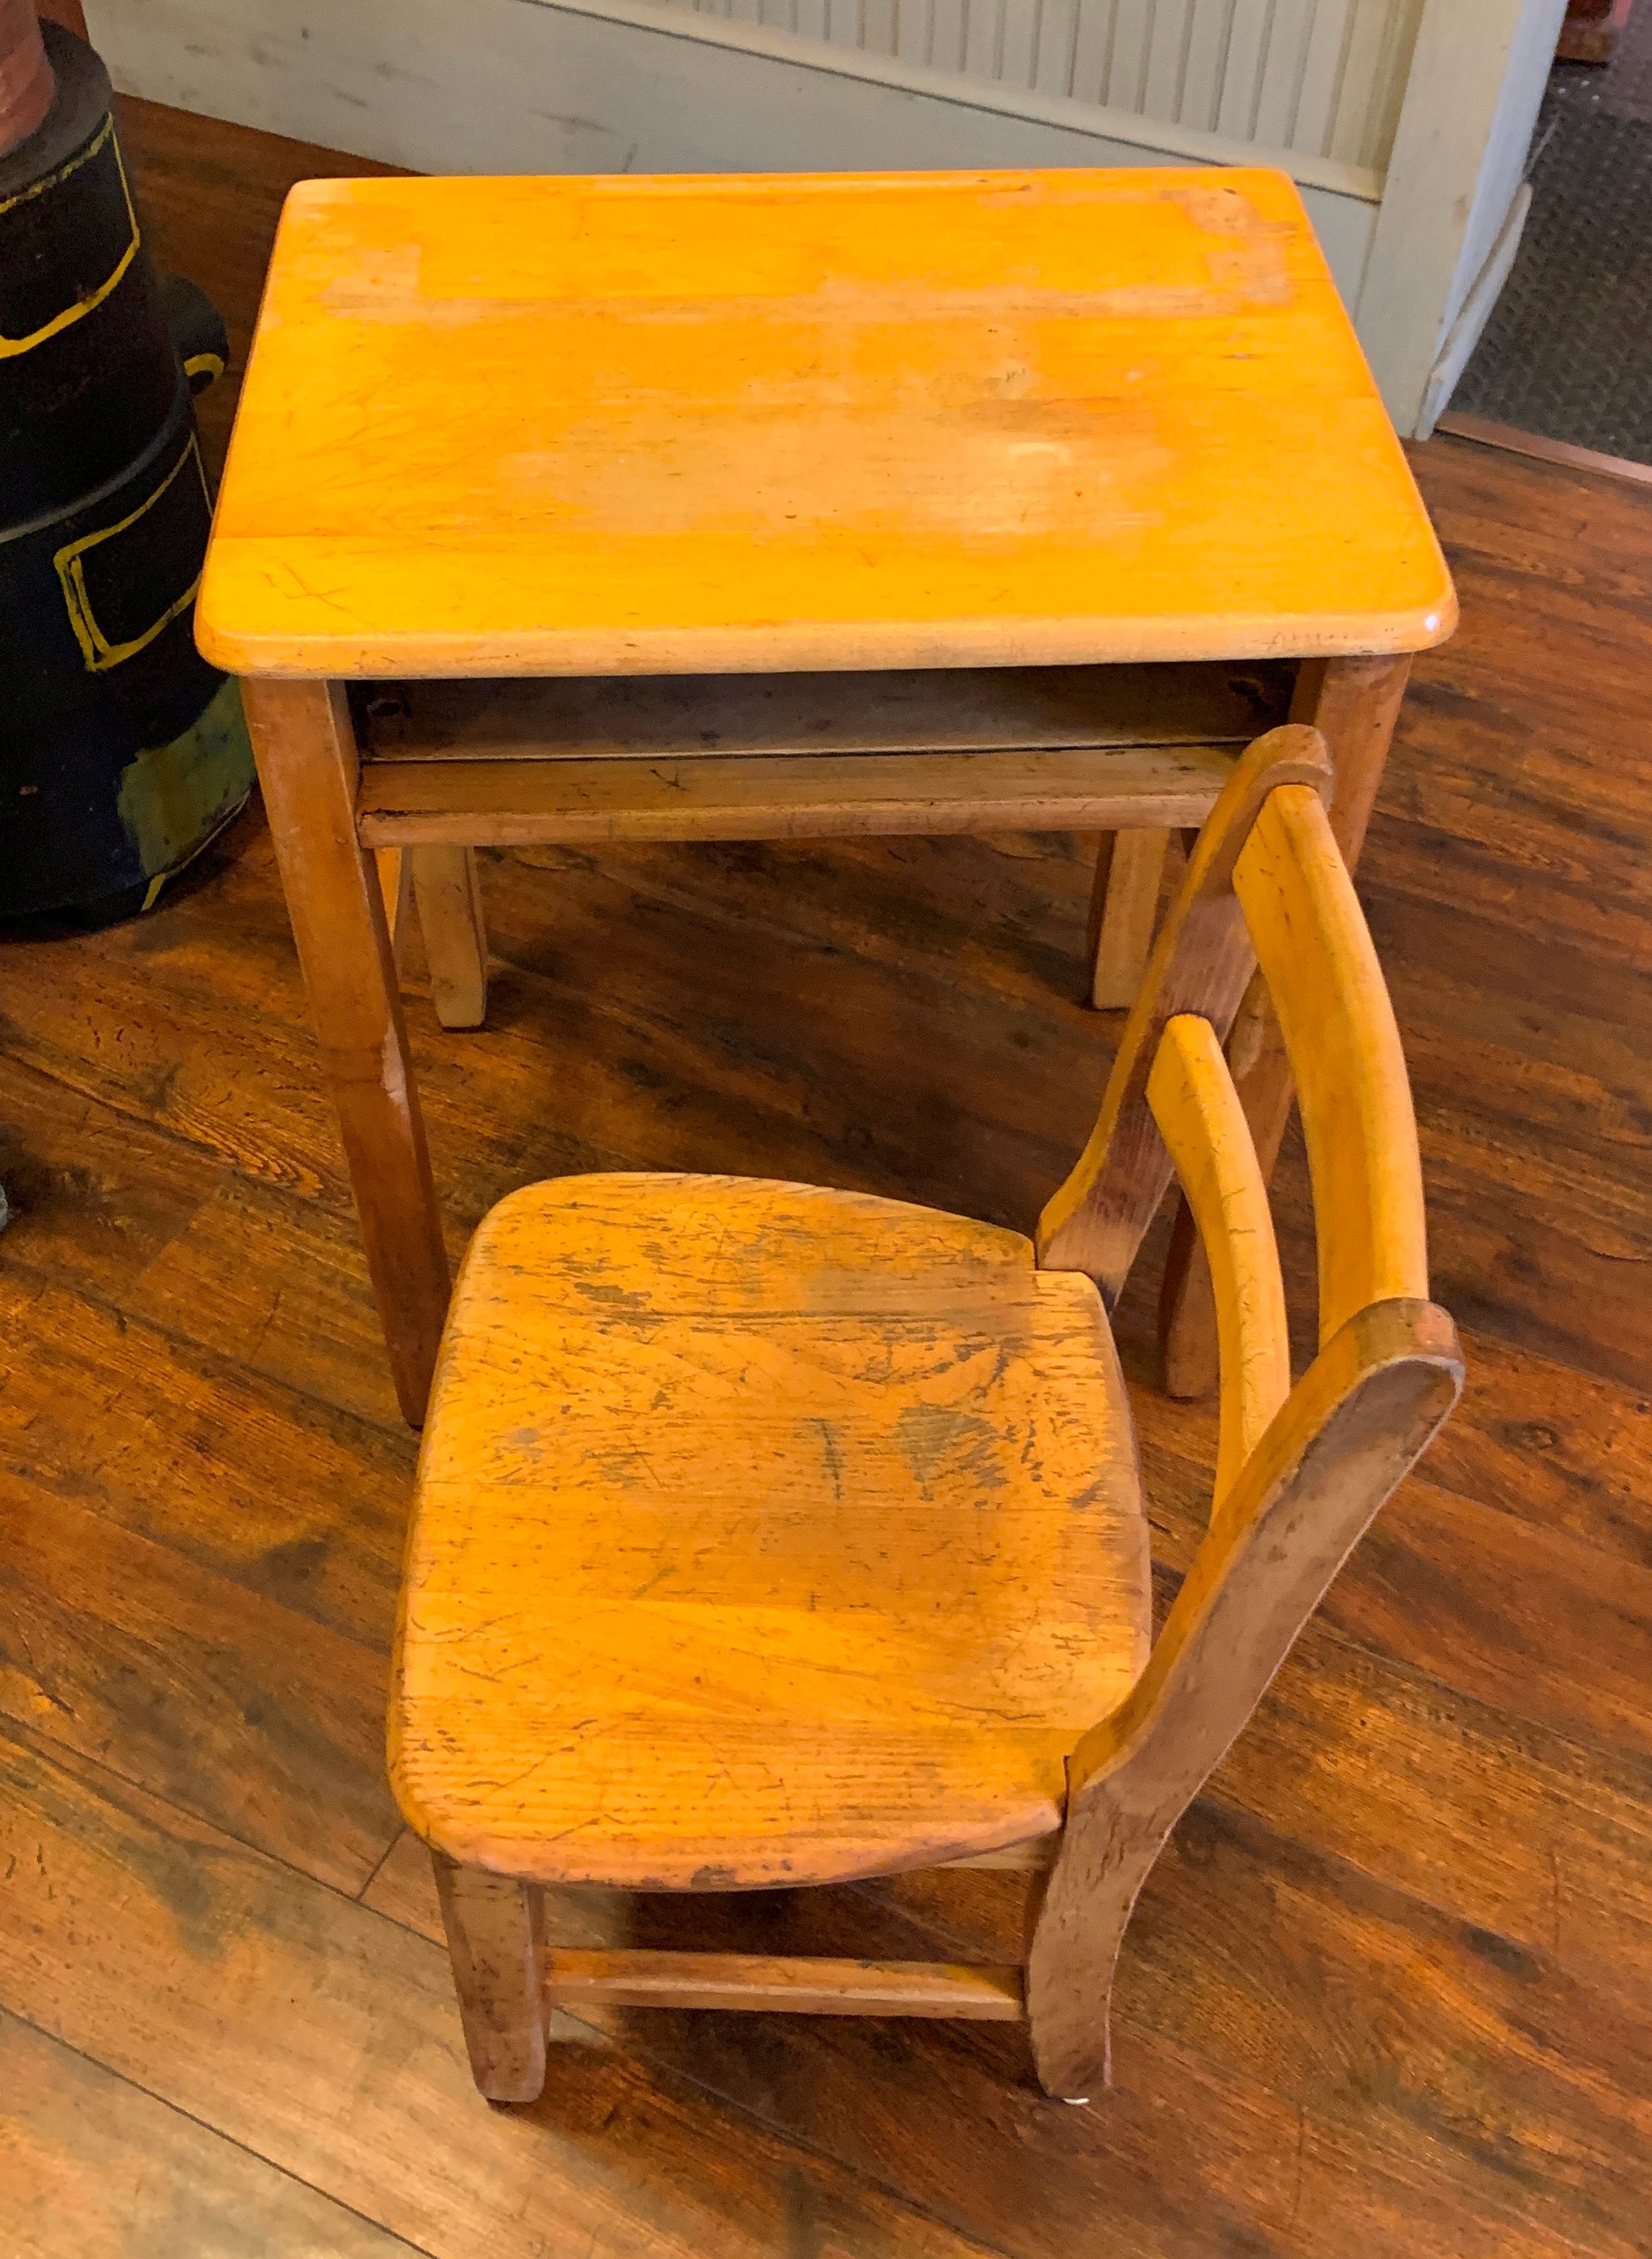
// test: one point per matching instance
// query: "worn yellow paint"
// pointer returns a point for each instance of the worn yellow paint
(9, 347)
(175, 797)
(1316, 950)
(95, 648)
(1202, 1122)
(765, 423)
(762, 1534)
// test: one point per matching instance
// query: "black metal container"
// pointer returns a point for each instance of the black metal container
(122, 752)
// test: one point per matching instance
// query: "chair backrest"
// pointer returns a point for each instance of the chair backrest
(1301, 1471)
(1266, 883)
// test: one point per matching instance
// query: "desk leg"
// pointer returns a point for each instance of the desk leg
(448, 897)
(1123, 908)
(1355, 703)
(307, 764)
(394, 866)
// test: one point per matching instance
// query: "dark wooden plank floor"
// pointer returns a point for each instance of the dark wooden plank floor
(1388, 1994)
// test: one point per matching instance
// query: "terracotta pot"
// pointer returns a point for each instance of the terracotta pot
(26, 84)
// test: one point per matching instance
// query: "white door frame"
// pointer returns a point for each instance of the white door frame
(1454, 201)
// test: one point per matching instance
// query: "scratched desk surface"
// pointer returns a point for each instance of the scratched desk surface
(611, 425)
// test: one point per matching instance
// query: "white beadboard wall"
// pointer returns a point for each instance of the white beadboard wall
(1404, 122)
(1325, 78)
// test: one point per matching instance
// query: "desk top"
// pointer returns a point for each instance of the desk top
(752, 424)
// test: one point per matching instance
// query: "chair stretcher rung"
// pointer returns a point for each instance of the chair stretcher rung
(773, 1982)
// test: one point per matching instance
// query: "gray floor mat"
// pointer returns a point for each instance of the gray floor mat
(1568, 350)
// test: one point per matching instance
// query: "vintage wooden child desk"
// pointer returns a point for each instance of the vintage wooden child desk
(729, 507)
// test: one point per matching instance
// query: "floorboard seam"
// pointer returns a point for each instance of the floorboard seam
(361, 1896)
(1413, 1674)
(98, 1096)
(53, 1745)
(785, 2135)
(217, 2133)
(219, 1361)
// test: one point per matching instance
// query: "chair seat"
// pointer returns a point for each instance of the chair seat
(762, 1534)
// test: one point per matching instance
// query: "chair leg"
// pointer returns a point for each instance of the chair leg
(1078, 1929)
(449, 895)
(1123, 909)
(496, 1939)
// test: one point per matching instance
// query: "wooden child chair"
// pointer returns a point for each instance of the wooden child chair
(766, 1535)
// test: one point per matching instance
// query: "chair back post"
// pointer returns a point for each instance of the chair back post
(1356, 1421)
(1200, 964)
(1301, 1471)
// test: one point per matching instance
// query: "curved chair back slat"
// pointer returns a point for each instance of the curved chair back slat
(1332, 1003)
(1199, 1117)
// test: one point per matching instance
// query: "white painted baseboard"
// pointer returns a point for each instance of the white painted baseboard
(574, 86)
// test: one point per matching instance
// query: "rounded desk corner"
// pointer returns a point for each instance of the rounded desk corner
(1277, 176)
(219, 645)
(217, 649)
(1439, 623)
(316, 194)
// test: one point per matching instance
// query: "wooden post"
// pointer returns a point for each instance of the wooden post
(495, 1938)
(394, 866)
(1130, 866)
(307, 764)
(448, 897)
(1354, 703)
(1354, 1424)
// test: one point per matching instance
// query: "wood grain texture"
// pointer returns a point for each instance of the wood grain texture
(709, 1443)
(924, 710)
(1199, 964)
(1129, 913)
(360, 2077)
(800, 796)
(449, 893)
(968, 419)
(201, 192)
(496, 1940)
(239, 1474)
(1299, 1473)
(97, 2169)
(1227, 2022)
(490, 1594)
(792, 1986)
(1203, 1125)
(305, 745)
(1363, 1413)
(1354, 703)
(1387, 1990)
(1329, 996)
(220, 1696)
(395, 869)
